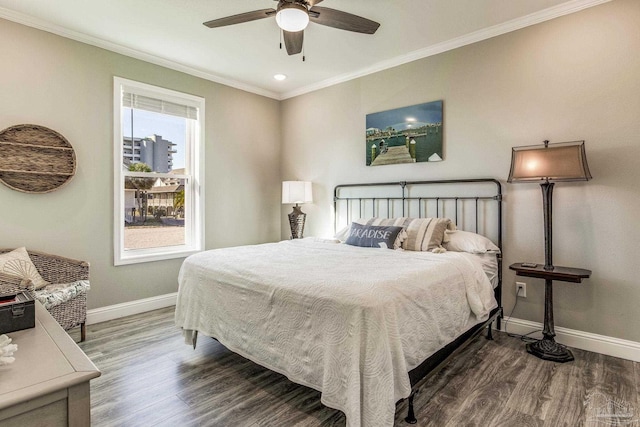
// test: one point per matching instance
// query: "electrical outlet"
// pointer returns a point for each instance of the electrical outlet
(521, 289)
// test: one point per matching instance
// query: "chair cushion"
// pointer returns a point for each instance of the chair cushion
(53, 295)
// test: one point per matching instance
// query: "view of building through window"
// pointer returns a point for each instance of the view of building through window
(154, 207)
(158, 173)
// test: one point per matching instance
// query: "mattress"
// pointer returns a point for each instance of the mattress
(350, 322)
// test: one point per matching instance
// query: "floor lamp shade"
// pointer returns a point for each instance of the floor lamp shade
(565, 161)
(296, 192)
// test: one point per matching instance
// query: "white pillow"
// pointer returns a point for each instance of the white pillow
(343, 234)
(465, 241)
(18, 264)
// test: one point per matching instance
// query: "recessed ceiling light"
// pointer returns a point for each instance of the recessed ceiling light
(280, 77)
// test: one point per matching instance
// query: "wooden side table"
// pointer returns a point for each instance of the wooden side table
(547, 348)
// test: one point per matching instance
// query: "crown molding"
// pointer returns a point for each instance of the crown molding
(474, 37)
(40, 24)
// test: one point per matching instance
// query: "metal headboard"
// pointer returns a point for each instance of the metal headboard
(473, 204)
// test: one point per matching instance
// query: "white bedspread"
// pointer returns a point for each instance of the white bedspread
(347, 321)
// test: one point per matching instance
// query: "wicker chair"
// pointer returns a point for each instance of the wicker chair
(57, 269)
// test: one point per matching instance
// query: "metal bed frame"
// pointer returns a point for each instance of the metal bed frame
(411, 195)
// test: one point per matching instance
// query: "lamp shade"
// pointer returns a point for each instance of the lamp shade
(292, 17)
(296, 192)
(564, 161)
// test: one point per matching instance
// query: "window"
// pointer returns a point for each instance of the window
(158, 173)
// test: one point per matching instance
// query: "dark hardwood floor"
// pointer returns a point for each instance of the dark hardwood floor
(151, 378)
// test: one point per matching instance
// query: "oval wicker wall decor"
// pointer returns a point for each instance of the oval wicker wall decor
(35, 159)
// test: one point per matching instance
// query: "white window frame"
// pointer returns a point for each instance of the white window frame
(194, 180)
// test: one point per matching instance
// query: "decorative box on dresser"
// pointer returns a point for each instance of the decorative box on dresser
(48, 383)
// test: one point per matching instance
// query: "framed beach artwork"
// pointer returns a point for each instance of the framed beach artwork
(405, 135)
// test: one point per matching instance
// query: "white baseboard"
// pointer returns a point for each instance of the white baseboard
(117, 311)
(616, 347)
(610, 346)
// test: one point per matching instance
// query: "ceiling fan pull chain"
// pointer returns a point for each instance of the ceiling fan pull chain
(304, 58)
(280, 39)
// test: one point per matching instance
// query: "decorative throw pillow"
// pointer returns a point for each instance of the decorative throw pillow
(373, 236)
(426, 234)
(465, 241)
(396, 222)
(18, 264)
(423, 234)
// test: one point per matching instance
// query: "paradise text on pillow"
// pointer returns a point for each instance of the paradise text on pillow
(371, 234)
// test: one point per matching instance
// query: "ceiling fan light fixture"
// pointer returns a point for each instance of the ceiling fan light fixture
(292, 17)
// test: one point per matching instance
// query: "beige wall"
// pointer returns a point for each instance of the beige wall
(572, 78)
(576, 77)
(68, 86)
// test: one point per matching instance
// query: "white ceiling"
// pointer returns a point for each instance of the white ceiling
(170, 33)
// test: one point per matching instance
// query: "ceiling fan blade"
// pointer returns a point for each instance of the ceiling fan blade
(342, 20)
(293, 41)
(240, 18)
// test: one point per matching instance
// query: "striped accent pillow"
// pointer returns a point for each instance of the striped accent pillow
(423, 234)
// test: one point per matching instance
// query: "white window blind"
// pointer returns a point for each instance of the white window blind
(141, 102)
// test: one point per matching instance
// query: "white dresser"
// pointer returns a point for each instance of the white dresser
(48, 384)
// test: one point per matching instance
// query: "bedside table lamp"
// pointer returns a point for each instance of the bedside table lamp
(547, 164)
(296, 192)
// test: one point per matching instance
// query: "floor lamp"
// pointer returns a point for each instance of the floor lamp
(296, 192)
(547, 164)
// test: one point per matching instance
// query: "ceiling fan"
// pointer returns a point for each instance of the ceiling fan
(293, 16)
